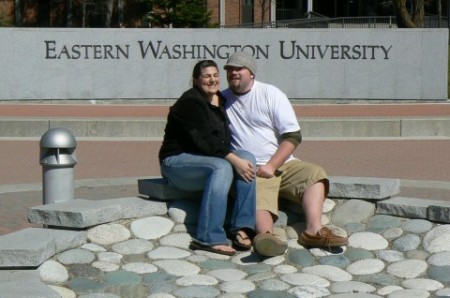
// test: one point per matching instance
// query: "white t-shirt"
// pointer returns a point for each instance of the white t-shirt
(258, 119)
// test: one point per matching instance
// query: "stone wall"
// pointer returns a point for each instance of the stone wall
(44, 63)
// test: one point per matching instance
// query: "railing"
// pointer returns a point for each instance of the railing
(289, 14)
(345, 22)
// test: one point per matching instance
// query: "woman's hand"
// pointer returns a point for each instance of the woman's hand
(243, 167)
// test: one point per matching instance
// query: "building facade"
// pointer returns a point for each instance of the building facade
(132, 13)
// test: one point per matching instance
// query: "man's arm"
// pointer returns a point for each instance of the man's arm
(285, 149)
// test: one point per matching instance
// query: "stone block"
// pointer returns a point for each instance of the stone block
(81, 213)
(439, 211)
(32, 246)
(77, 213)
(133, 207)
(366, 188)
(158, 188)
(24, 284)
(404, 207)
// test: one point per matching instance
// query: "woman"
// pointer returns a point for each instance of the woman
(195, 156)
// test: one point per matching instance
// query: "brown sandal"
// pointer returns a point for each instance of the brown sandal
(199, 246)
(238, 238)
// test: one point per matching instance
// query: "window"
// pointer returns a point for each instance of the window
(247, 11)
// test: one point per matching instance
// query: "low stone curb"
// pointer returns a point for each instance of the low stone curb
(433, 210)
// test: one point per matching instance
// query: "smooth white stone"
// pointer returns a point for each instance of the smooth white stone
(390, 255)
(180, 240)
(237, 286)
(328, 205)
(329, 272)
(168, 252)
(151, 227)
(309, 291)
(285, 269)
(177, 267)
(53, 272)
(227, 274)
(304, 279)
(352, 287)
(367, 241)
(133, 247)
(407, 268)
(109, 257)
(392, 233)
(388, 289)
(422, 284)
(409, 293)
(108, 234)
(140, 268)
(437, 239)
(366, 266)
(93, 247)
(197, 280)
(105, 266)
(275, 260)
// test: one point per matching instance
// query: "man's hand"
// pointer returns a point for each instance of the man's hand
(265, 171)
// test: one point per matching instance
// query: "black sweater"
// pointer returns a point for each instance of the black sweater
(195, 126)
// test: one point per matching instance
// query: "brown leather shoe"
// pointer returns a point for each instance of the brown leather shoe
(268, 245)
(324, 237)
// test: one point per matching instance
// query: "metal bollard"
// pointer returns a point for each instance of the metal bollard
(58, 159)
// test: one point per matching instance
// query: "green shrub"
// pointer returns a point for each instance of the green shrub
(4, 22)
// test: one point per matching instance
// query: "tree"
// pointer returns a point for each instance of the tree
(96, 13)
(413, 18)
(264, 6)
(178, 14)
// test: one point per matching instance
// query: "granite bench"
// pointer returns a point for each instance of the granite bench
(379, 190)
(365, 188)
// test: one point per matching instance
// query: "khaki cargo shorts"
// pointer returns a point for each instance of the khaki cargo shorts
(294, 177)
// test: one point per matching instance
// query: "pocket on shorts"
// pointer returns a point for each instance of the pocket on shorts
(267, 191)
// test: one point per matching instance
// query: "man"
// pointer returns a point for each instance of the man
(263, 122)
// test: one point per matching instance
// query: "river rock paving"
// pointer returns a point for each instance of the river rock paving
(149, 257)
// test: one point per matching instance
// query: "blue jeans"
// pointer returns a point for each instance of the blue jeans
(214, 176)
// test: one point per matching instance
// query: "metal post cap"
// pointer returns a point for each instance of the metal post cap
(58, 138)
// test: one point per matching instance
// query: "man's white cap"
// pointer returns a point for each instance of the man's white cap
(242, 59)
